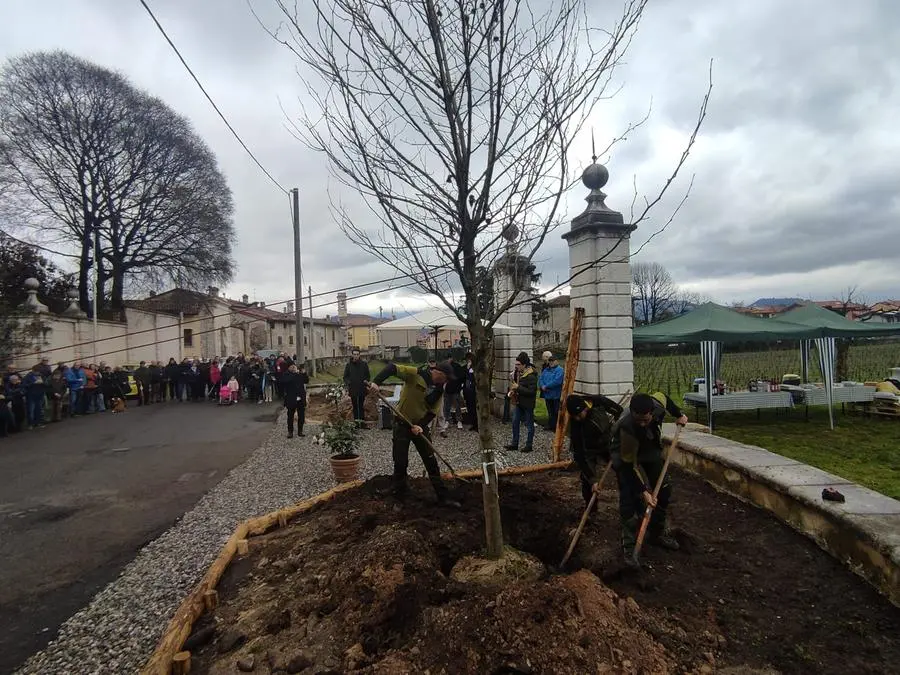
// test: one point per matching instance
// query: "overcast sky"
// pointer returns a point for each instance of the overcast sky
(796, 171)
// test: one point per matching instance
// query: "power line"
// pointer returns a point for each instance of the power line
(209, 98)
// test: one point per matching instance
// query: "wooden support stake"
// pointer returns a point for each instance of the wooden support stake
(210, 600)
(571, 371)
(514, 470)
(181, 663)
(243, 547)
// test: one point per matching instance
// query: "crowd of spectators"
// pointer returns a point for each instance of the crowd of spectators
(44, 393)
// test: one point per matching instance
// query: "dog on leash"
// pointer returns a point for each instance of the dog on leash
(118, 405)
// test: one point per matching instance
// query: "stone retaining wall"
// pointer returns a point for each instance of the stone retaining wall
(863, 532)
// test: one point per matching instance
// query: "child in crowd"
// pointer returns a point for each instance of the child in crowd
(224, 394)
(234, 388)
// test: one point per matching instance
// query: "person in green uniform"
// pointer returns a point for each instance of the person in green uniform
(591, 419)
(637, 455)
(420, 401)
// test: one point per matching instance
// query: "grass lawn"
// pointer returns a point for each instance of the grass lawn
(862, 449)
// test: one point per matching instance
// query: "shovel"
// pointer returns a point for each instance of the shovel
(584, 517)
(648, 511)
(428, 442)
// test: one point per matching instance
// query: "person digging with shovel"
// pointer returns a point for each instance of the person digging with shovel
(420, 400)
(591, 420)
(637, 458)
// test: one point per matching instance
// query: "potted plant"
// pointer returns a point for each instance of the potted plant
(342, 436)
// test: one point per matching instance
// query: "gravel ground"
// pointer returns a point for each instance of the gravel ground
(117, 631)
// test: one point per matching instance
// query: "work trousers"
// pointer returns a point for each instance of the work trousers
(300, 412)
(521, 415)
(591, 465)
(631, 503)
(552, 412)
(471, 407)
(402, 437)
(359, 406)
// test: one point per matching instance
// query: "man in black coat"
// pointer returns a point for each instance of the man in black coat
(356, 375)
(293, 386)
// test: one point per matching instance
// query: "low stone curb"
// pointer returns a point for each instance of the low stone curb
(863, 532)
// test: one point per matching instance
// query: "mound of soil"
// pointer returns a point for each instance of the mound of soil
(360, 585)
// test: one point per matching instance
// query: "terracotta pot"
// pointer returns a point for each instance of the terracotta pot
(345, 469)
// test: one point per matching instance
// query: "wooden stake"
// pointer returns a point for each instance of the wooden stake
(210, 600)
(181, 663)
(572, 356)
(243, 547)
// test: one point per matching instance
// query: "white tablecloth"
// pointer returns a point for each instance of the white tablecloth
(743, 400)
(855, 394)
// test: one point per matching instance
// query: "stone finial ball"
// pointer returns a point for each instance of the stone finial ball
(595, 176)
(510, 232)
(32, 284)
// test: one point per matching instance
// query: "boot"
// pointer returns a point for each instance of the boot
(527, 448)
(443, 494)
(511, 448)
(664, 540)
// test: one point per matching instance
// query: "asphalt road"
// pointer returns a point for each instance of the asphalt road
(79, 498)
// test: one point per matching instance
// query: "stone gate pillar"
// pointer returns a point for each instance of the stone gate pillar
(510, 273)
(599, 252)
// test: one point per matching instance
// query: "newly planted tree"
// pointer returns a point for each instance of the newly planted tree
(454, 120)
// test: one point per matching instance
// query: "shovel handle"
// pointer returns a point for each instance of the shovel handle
(648, 511)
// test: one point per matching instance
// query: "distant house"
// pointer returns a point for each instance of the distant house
(886, 311)
(215, 326)
(766, 311)
(360, 330)
(852, 310)
(554, 330)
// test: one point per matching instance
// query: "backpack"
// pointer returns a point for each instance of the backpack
(594, 436)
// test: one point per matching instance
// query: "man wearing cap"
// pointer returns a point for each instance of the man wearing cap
(591, 420)
(637, 456)
(550, 384)
(420, 400)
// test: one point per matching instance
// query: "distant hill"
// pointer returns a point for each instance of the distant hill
(776, 302)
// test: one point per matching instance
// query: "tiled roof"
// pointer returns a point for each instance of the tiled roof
(359, 320)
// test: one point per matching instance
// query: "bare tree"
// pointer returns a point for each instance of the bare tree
(850, 303)
(454, 120)
(684, 301)
(91, 162)
(653, 292)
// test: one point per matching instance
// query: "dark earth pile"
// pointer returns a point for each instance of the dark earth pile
(360, 586)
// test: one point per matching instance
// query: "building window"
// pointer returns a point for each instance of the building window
(280, 341)
(290, 339)
(305, 341)
(188, 337)
(322, 340)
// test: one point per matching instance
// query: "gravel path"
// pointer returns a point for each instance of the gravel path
(117, 631)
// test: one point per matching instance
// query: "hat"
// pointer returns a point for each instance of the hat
(446, 369)
(575, 404)
(523, 359)
(547, 356)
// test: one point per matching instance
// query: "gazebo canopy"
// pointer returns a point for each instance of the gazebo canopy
(832, 324)
(712, 322)
(432, 319)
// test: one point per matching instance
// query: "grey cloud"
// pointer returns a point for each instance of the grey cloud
(795, 168)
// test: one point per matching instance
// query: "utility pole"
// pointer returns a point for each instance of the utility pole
(298, 288)
(96, 284)
(312, 336)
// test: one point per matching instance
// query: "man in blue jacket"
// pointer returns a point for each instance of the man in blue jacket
(550, 384)
(75, 378)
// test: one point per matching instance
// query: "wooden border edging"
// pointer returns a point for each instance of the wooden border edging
(179, 627)
(195, 604)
